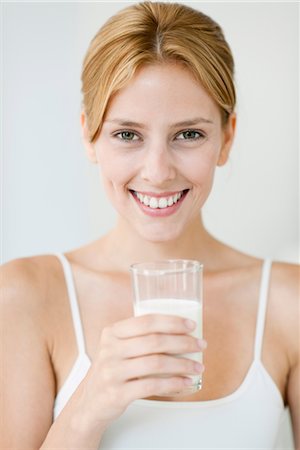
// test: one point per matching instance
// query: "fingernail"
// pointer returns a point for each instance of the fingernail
(198, 367)
(188, 381)
(190, 324)
(202, 344)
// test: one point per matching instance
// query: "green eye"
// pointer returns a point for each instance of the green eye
(127, 136)
(190, 135)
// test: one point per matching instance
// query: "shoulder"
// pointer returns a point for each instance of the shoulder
(284, 305)
(26, 270)
(286, 276)
(32, 292)
(28, 312)
(27, 283)
(285, 300)
(31, 272)
(284, 285)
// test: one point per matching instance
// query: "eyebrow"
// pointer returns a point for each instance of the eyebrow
(184, 123)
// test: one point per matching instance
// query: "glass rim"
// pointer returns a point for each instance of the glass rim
(157, 267)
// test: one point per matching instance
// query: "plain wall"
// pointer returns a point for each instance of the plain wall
(52, 199)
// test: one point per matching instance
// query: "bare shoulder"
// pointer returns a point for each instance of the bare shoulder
(284, 295)
(285, 283)
(28, 276)
(284, 304)
(30, 289)
(28, 381)
(286, 275)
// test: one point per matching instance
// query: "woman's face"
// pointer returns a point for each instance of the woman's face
(158, 149)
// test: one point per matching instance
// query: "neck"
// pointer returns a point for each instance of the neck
(126, 247)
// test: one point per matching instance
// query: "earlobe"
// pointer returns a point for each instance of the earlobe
(228, 136)
(89, 147)
(224, 154)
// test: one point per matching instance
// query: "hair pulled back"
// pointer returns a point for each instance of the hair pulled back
(151, 33)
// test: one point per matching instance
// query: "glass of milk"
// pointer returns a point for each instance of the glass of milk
(171, 287)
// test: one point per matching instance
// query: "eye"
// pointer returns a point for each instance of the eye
(190, 135)
(127, 135)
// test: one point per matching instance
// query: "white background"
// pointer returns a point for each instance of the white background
(52, 199)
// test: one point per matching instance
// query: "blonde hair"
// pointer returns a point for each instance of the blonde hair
(148, 33)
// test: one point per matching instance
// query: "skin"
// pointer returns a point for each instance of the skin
(36, 314)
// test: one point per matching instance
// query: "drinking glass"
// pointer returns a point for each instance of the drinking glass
(171, 287)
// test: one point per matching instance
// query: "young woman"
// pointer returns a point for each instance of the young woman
(78, 369)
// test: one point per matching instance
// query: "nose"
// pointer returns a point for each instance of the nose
(158, 167)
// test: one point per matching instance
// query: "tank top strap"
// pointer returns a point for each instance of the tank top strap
(262, 307)
(75, 312)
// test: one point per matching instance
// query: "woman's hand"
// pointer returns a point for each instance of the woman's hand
(131, 353)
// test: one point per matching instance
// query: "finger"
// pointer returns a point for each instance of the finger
(159, 364)
(150, 386)
(152, 323)
(161, 343)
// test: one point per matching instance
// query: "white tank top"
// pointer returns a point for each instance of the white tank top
(249, 418)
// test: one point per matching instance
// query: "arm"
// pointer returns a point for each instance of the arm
(27, 380)
(294, 402)
(293, 382)
(130, 351)
(120, 373)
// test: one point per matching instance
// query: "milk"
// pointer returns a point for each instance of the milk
(189, 309)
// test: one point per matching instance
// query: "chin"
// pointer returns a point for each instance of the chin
(160, 234)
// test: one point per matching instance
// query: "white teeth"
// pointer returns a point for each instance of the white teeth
(162, 203)
(155, 202)
(146, 200)
(170, 201)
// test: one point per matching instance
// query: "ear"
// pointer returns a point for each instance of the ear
(228, 136)
(89, 146)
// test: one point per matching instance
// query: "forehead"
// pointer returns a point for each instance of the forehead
(162, 90)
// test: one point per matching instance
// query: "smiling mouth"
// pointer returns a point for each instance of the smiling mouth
(159, 202)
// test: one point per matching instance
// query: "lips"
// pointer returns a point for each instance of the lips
(159, 204)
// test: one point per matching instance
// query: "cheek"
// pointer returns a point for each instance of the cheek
(115, 171)
(201, 169)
